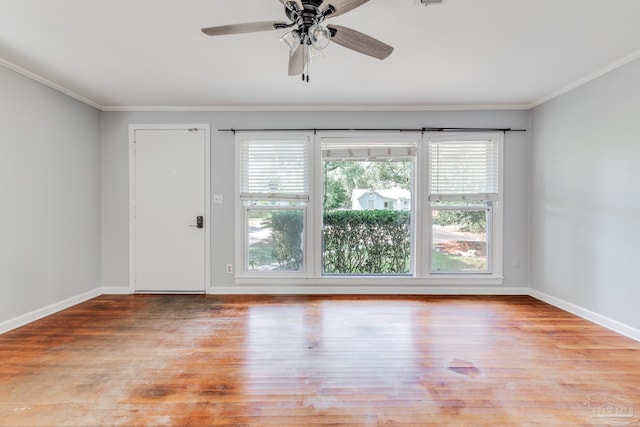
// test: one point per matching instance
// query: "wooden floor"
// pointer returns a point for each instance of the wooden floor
(362, 361)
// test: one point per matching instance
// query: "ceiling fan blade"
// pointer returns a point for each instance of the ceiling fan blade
(248, 27)
(355, 40)
(296, 61)
(341, 6)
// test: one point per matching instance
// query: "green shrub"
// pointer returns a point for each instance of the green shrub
(367, 242)
(286, 231)
(355, 242)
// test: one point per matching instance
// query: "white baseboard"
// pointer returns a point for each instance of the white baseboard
(366, 290)
(116, 290)
(599, 319)
(24, 319)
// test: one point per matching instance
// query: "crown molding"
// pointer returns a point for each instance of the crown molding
(586, 79)
(49, 83)
(312, 108)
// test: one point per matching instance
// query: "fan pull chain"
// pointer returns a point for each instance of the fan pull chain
(304, 61)
(307, 60)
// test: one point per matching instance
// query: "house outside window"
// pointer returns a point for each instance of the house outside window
(391, 199)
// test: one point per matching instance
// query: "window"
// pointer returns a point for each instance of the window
(366, 185)
(337, 209)
(274, 194)
(463, 184)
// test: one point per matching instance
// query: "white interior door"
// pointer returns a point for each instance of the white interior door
(170, 210)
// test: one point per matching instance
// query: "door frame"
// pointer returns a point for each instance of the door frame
(132, 197)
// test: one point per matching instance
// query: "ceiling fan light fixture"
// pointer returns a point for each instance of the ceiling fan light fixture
(320, 36)
(315, 54)
(292, 39)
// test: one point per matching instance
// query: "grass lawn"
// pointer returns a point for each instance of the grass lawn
(442, 262)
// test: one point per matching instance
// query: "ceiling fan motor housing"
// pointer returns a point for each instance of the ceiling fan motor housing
(308, 17)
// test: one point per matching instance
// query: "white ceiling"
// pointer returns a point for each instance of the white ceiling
(123, 54)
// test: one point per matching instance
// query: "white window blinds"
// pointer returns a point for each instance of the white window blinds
(274, 170)
(463, 170)
(367, 151)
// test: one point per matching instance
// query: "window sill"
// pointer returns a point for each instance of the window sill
(373, 281)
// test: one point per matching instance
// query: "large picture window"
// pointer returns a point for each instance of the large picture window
(367, 213)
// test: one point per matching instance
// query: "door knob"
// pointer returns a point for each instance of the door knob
(199, 222)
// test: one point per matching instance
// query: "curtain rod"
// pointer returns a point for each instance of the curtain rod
(423, 130)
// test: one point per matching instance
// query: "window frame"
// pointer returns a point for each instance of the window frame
(243, 206)
(373, 139)
(311, 275)
(495, 210)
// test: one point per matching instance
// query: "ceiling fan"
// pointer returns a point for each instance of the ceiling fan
(309, 34)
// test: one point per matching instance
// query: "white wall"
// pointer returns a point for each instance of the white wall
(115, 249)
(585, 204)
(49, 195)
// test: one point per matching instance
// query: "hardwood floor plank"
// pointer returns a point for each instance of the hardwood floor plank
(243, 360)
